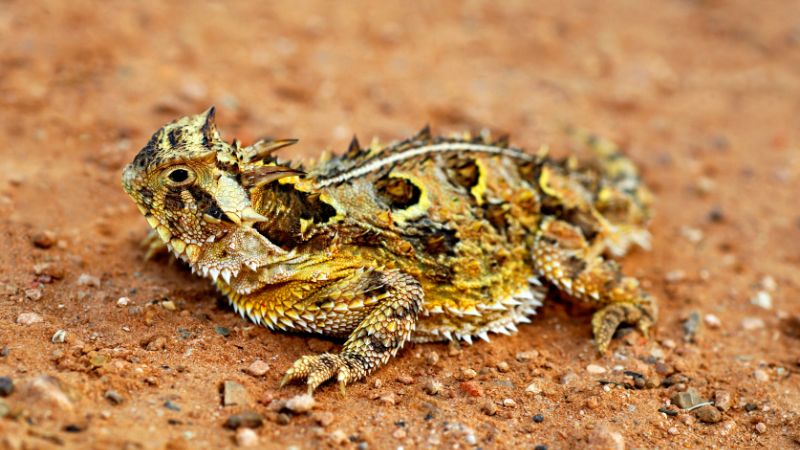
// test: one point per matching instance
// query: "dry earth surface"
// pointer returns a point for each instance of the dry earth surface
(99, 349)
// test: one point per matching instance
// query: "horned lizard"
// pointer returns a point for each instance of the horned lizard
(427, 239)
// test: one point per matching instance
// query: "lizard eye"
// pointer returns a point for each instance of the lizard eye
(180, 176)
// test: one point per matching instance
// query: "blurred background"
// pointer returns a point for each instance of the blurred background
(704, 95)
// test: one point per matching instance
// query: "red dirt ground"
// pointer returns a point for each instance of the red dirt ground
(704, 95)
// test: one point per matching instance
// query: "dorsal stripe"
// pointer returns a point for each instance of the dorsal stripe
(372, 166)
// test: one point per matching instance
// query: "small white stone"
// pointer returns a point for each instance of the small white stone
(123, 301)
(672, 430)
(693, 235)
(88, 280)
(258, 368)
(59, 337)
(29, 318)
(752, 323)
(534, 388)
(761, 375)
(768, 283)
(594, 369)
(762, 299)
(712, 321)
(509, 403)
(300, 404)
(673, 276)
(246, 437)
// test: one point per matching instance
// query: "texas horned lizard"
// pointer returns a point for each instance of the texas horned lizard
(427, 239)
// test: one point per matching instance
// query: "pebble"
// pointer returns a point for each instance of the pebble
(691, 326)
(534, 388)
(432, 387)
(339, 437)
(114, 397)
(593, 402)
(29, 318)
(45, 393)
(234, 393)
(246, 437)
(530, 355)
(752, 323)
(6, 386)
(568, 378)
(432, 358)
(222, 331)
(761, 375)
(468, 374)
(34, 294)
(761, 427)
(762, 299)
(673, 430)
(604, 438)
(503, 367)
(283, 419)
(300, 404)
(405, 379)
(258, 368)
(246, 419)
(388, 398)
(509, 403)
(686, 399)
(5, 409)
(44, 239)
(88, 280)
(489, 408)
(708, 414)
(471, 388)
(169, 305)
(674, 276)
(172, 406)
(399, 433)
(722, 400)
(538, 418)
(594, 369)
(693, 235)
(323, 418)
(123, 301)
(712, 321)
(769, 283)
(59, 337)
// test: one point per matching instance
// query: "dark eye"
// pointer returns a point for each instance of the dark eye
(179, 175)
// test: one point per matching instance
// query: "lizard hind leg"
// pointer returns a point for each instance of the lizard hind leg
(385, 328)
(563, 257)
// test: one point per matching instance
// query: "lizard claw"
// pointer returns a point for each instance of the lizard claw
(317, 369)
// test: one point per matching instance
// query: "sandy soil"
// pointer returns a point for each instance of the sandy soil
(704, 95)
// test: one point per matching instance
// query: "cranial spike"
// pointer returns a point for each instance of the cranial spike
(214, 272)
(467, 338)
(152, 221)
(209, 128)
(483, 335)
(265, 147)
(262, 175)
(250, 215)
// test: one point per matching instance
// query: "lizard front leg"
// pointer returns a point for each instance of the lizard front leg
(391, 303)
(563, 257)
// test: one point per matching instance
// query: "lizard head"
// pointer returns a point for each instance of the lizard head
(185, 182)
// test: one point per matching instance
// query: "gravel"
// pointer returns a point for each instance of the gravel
(761, 427)
(762, 299)
(258, 368)
(432, 387)
(723, 400)
(114, 397)
(234, 393)
(246, 437)
(59, 337)
(534, 388)
(247, 419)
(538, 418)
(761, 375)
(300, 404)
(604, 438)
(712, 321)
(503, 367)
(708, 414)
(29, 318)
(6, 386)
(44, 239)
(88, 280)
(687, 399)
(752, 323)
(595, 369)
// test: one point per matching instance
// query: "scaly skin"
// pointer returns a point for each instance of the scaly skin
(427, 239)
